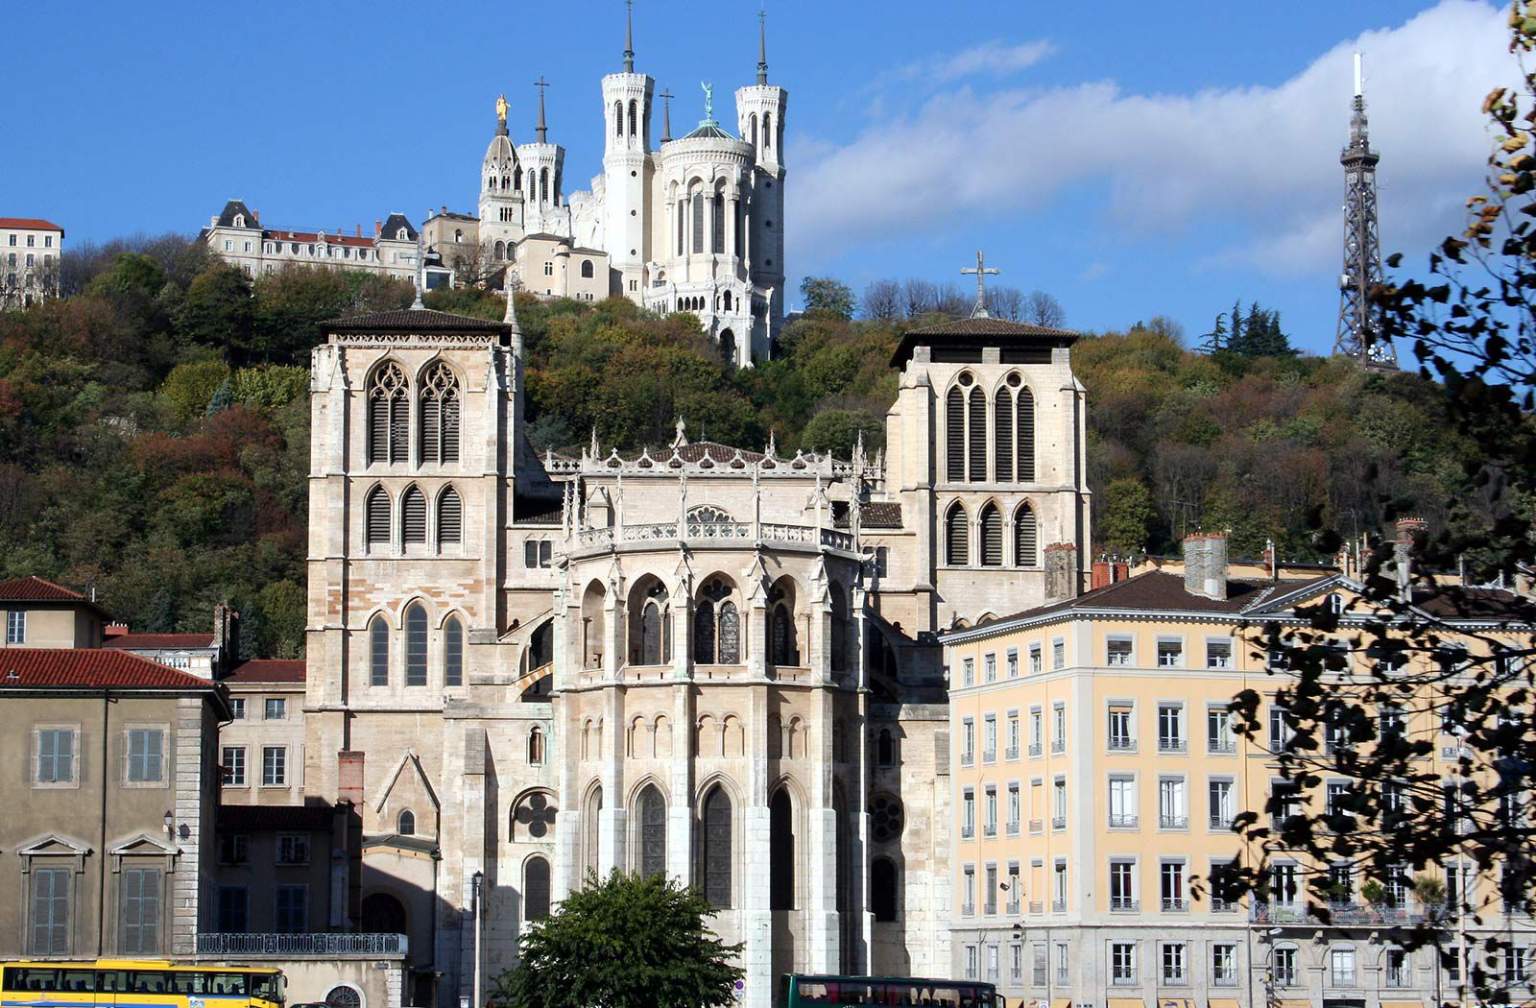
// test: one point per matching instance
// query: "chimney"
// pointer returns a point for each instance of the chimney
(378, 227)
(1103, 573)
(256, 215)
(115, 630)
(349, 777)
(1205, 564)
(226, 635)
(1271, 560)
(1119, 570)
(359, 230)
(1060, 572)
(1410, 536)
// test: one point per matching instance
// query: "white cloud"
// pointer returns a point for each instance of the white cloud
(996, 58)
(1261, 159)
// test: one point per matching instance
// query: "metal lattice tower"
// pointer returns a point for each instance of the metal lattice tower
(1360, 333)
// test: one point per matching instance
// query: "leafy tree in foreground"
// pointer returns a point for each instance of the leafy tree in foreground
(626, 941)
(824, 294)
(1372, 693)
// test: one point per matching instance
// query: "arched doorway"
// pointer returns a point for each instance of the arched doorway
(383, 914)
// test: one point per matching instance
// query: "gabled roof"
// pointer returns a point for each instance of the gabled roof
(158, 641)
(90, 669)
(36, 589)
(980, 332)
(29, 224)
(268, 670)
(415, 320)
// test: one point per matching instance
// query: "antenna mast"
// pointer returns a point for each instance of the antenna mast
(1360, 332)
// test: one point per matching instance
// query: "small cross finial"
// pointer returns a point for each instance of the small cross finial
(982, 271)
(762, 45)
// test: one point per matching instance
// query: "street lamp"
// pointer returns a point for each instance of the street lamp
(476, 881)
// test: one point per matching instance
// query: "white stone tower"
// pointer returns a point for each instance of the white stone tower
(501, 202)
(627, 117)
(545, 210)
(760, 111)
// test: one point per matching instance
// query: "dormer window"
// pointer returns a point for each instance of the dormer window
(401, 235)
(239, 220)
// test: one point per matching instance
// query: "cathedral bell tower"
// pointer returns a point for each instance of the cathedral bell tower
(760, 110)
(501, 198)
(544, 164)
(627, 117)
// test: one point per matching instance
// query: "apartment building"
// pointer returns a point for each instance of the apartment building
(1097, 775)
(261, 750)
(30, 248)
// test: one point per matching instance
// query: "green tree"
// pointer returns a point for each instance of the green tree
(216, 309)
(1216, 339)
(190, 387)
(827, 296)
(626, 941)
(836, 431)
(1128, 516)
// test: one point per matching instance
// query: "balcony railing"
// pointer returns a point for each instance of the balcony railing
(1034, 749)
(1338, 914)
(1174, 904)
(1058, 906)
(1123, 821)
(1121, 904)
(1058, 746)
(1171, 745)
(1219, 821)
(1036, 906)
(229, 943)
(1172, 822)
(1058, 822)
(1013, 752)
(967, 831)
(989, 755)
(1035, 825)
(1224, 745)
(1120, 743)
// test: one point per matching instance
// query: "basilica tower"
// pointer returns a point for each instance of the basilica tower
(544, 164)
(627, 117)
(760, 110)
(501, 199)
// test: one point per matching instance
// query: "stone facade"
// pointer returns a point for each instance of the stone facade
(29, 261)
(712, 662)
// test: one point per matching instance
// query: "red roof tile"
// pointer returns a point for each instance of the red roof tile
(268, 670)
(314, 236)
(90, 669)
(28, 224)
(158, 641)
(35, 589)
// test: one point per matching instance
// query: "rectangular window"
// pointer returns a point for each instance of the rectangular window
(276, 709)
(1016, 963)
(1283, 966)
(1013, 663)
(1122, 802)
(1224, 965)
(989, 667)
(1172, 806)
(1279, 730)
(1218, 654)
(1063, 963)
(232, 759)
(233, 909)
(967, 742)
(1170, 653)
(1516, 972)
(292, 909)
(237, 708)
(1015, 893)
(991, 810)
(968, 668)
(234, 849)
(48, 923)
(1036, 731)
(55, 756)
(146, 755)
(1122, 886)
(16, 626)
(991, 890)
(1119, 651)
(1397, 968)
(967, 814)
(1283, 887)
(139, 911)
(1120, 721)
(1058, 653)
(1038, 964)
(1013, 735)
(989, 738)
(1122, 959)
(970, 962)
(293, 848)
(1034, 658)
(1171, 886)
(1059, 886)
(1058, 728)
(968, 892)
(1218, 731)
(1219, 791)
(274, 766)
(1170, 727)
(1173, 963)
(1341, 966)
(1059, 804)
(1013, 808)
(1284, 802)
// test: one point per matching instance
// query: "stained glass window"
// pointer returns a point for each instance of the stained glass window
(716, 843)
(653, 832)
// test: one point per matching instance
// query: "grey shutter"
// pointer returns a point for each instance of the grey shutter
(49, 918)
(453, 652)
(139, 911)
(717, 222)
(376, 517)
(399, 427)
(977, 424)
(956, 537)
(991, 537)
(378, 652)
(954, 430)
(1025, 538)
(451, 426)
(431, 428)
(1002, 436)
(378, 428)
(413, 515)
(450, 517)
(698, 222)
(1026, 422)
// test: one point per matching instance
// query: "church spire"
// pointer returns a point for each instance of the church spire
(542, 129)
(666, 115)
(762, 46)
(629, 36)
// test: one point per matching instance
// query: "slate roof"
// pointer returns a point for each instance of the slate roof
(158, 641)
(90, 669)
(414, 320)
(980, 332)
(268, 670)
(237, 207)
(36, 589)
(1453, 602)
(393, 223)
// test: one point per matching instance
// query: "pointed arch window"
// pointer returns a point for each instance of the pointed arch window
(376, 517)
(717, 223)
(976, 428)
(439, 414)
(406, 824)
(1002, 434)
(618, 118)
(1026, 537)
(781, 635)
(767, 130)
(535, 889)
(543, 185)
(653, 832)
(378, 652)
(450, 518)
(954, 435)
(517, 179)
(752, 129)
(781, 852)
(885, 748)
(453, 652)
(730, 634)
(1025, 411)
(535, 747)
(697, 209)
(991, 536)
(413, 515)
(416, 645)
(717, 624)
(956, 536)
(715, 847)
(388, 415)
(655, 628)
(633, 118)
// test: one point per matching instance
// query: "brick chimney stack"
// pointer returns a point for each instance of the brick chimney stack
(1205, 564)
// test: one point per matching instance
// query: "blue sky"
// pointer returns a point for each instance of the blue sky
(1133, 160)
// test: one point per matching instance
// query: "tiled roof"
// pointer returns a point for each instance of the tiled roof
(158, 641)
(874, 515)
(414, 320)
(980, 332)
(1455, 602)
(36, 589)
(265, 818)
(28, 224)
(89, 669)
(268, 670)
(331, 238)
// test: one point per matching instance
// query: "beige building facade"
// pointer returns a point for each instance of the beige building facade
(1097, 777)
(30, 248)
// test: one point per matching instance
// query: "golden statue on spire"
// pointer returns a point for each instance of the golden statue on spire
(501, 109)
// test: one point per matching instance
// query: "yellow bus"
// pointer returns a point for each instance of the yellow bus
(138, 983)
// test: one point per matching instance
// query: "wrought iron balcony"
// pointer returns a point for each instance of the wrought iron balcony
(1173, 745)
(1166, 821)
(1058, 822)
(1122, 743)
(304, 943)
(1034, 749)
(1124, 820)
(1123, 904)
(1174, 904)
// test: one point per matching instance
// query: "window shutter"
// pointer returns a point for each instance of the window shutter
(399, 428)
(717, 221)
(376, 517)
(1025, 538)
(1002, 436)
(413, 515)
(1026, 416)
(954, 430)
(698, 222)
(991, 537)
(431, 429)
(451, 427)
(956, 552)
(450, 518)
(378, 430)
(978, 431)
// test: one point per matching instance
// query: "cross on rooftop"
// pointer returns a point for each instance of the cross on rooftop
(982, 271)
